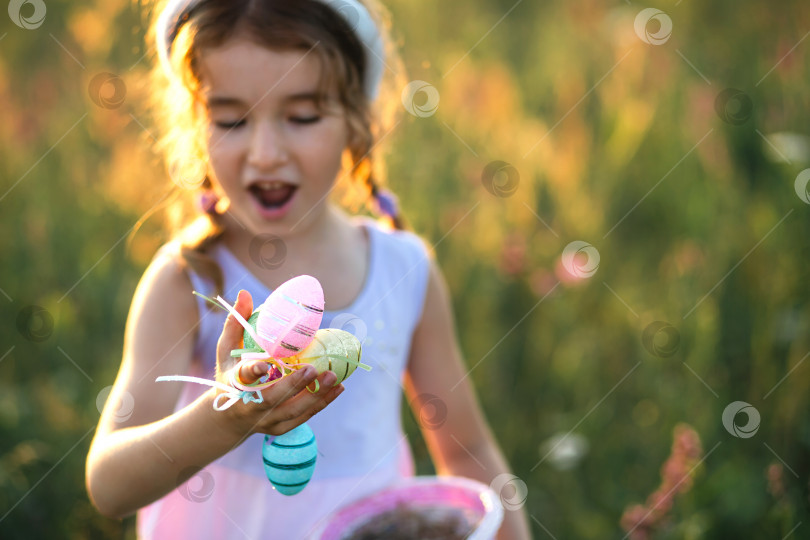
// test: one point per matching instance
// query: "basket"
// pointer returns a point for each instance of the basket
(479, 505)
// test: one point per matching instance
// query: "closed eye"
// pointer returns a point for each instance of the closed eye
(229, 125)
(310, 120)
(295, 120)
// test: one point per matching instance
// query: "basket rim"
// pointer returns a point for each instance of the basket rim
(350, 516)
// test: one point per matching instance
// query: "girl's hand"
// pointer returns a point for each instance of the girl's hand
(286, 404)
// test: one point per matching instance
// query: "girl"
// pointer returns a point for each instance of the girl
(276, 100)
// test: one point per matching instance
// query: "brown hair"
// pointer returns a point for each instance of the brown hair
(279, 25)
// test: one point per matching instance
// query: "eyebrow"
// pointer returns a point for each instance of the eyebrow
(225, 101)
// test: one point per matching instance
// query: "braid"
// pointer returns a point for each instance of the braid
(385, 204)
(198, 237)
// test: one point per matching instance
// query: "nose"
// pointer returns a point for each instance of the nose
(268, 146)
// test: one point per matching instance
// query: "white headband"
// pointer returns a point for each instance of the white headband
(364, 28)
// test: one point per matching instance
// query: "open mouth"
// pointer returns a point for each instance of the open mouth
(272, 195)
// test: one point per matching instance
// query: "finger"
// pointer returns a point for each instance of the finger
(250, 372)
(289, 386)
(327, 379)
(303, 401)
(244, 304)
(231, 337)
(313, 408)
(232, 332)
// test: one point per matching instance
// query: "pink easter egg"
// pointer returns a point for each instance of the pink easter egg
(290, 316)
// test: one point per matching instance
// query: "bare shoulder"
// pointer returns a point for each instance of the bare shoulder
(437, 315)
(165, 284)
(158, 340)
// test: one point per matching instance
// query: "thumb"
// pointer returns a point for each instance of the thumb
(250, 372)
(232, 331)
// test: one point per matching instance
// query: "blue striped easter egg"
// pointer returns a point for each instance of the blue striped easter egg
(289, 459)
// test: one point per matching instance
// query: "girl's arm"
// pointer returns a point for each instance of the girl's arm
(462, 445)
(142, 450)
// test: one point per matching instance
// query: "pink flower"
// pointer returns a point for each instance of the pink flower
(776, 485)
(640, 521)
(636, 520)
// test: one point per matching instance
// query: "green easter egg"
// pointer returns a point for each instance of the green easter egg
(249, 343)
(335, 350)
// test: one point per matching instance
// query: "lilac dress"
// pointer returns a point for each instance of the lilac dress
(361, 445)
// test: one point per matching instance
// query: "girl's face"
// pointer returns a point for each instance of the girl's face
(272, 152)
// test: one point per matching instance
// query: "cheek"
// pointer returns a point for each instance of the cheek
(324, 150)
(223, 165)
(224, 150)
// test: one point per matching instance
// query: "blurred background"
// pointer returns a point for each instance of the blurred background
(615, 192)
